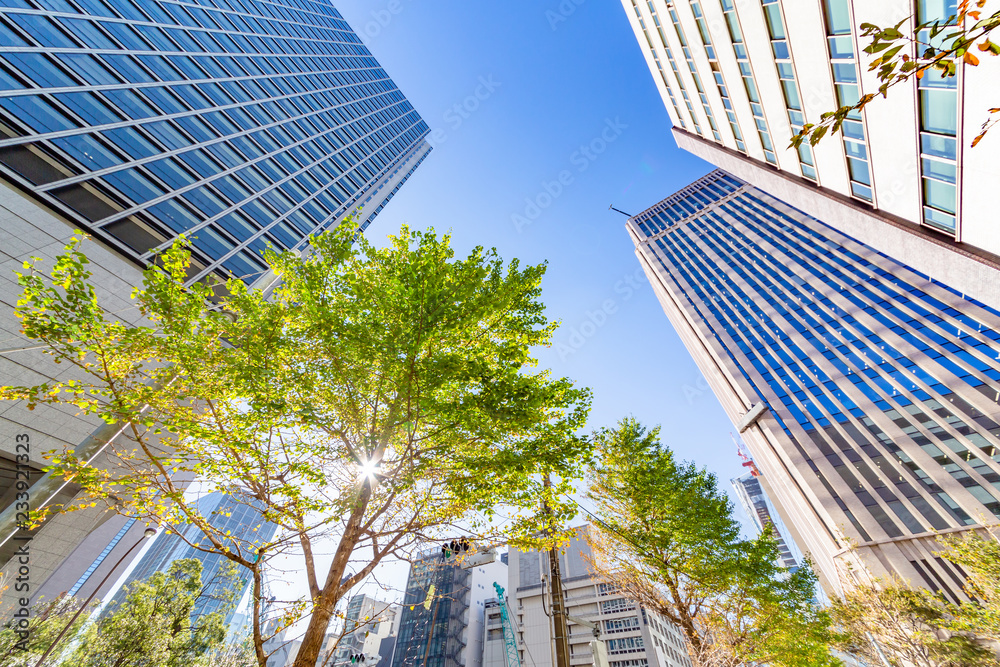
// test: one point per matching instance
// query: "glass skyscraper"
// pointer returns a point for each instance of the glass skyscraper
(866, 391)
(245, 525)
(241, 123)
(760, 510)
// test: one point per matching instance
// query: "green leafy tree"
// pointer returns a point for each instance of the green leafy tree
(898, 54)
(887, 621)
(979, 556)
(374, 399)
(155, 625)
(668, 538)
(24, 645)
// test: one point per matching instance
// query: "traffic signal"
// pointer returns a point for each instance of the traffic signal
(358, 658)
(449, 549)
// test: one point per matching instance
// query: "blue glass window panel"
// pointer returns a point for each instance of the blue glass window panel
(935, 10)
(939, 219)
(132, 142)
(134, 185)
(192, 96)
(131, 103)
(167, 133)
(939, 195)
(862, 191)
(211, 243)
(40, 69)
(165, 100)
(838, 17)
(859, 171)
(197, 128)
(89, 68)
(791, 95)
(88, 151)
(42, 30)
(127, 67)
(156, 37)
(87, 106)
(175, 216)
(841, 47)
(161, 67)
(938, 145)
(200, 162)
(939, 111)
(127, 35)
(88, 33)
(170, 172)
(853, 130)
(772, 13)
(8, 82)
(9, 38)
(237, 225)
(942, 171)
(225, 154)
(856, 150)
(845, 73)
(936, 79)
(243, 266)
(38, 114)
(96, 8)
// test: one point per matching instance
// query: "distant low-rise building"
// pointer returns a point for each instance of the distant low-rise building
(633, 637)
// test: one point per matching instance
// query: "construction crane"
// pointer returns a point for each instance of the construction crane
(511, 656)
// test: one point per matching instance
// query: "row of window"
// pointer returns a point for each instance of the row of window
(706, 40)
(840, 45)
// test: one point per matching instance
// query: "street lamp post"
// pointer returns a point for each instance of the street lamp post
(146, 534)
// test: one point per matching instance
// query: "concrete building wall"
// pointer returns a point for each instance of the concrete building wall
(633, 637)
(28, 230)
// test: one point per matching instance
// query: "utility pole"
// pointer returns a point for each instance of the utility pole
(561, 633)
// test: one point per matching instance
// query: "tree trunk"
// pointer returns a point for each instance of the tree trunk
(312, 641)
(258, 640)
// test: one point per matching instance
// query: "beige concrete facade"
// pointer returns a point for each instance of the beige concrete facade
(28, 230)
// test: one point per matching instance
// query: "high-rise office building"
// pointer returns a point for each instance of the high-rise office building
(441, 624)
(245, 527)
(765, 518)
(740, 77)
(632, 636)
(241, 123)
(371, 628)
(866, 391)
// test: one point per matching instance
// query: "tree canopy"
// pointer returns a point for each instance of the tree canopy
(375, 397)
(668, 538)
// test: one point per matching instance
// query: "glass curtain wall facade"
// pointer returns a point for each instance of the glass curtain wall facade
(434, 616)
(241, 123)
(758, 507)
(881, 386)
(246, 526)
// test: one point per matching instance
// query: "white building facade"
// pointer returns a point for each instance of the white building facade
(633, 637)
(740, 77)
